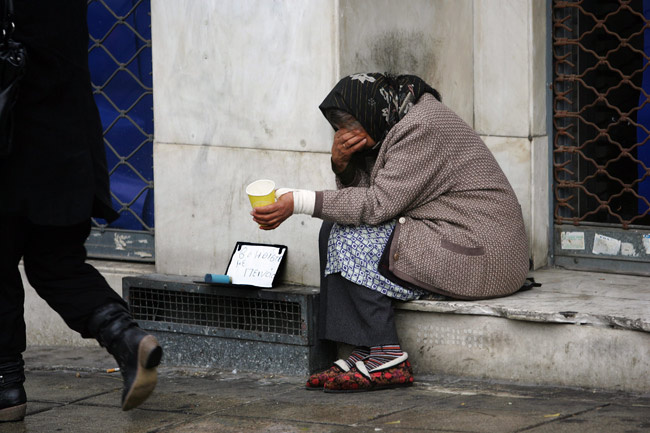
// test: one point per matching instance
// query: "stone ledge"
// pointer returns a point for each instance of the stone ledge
(123, 268)
(525, 352)
(567, 297)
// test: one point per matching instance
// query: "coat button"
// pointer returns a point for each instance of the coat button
(396, 256)
(402, 220)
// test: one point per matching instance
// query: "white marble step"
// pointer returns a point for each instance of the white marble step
(579, 329)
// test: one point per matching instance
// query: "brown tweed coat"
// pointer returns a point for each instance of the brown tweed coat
(460, 230)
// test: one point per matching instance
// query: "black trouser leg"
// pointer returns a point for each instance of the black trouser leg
(55, 264)
(350, 313)
(12, 294)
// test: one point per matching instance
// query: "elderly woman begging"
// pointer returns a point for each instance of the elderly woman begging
(421, 206)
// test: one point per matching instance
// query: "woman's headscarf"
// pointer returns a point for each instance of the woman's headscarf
(377, 101)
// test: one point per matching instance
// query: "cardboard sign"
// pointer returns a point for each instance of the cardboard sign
(255, 264)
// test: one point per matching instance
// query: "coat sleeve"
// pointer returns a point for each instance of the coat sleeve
(351, 176)
(411, 172)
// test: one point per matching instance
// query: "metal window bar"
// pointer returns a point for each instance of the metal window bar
(120, 45)
(598, 65)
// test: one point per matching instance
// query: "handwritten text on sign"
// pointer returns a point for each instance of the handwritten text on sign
(255, 265)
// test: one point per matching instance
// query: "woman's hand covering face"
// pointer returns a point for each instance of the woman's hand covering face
(346, 143)
(271, 216)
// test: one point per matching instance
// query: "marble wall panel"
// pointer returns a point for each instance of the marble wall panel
(243, 73)
(539, 67)
(430, 39)
(502, 67)
(202, 209)
(540, 201)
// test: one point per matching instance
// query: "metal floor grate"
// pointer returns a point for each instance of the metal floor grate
(218, 311)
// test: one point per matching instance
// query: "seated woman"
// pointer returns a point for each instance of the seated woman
(421, 206)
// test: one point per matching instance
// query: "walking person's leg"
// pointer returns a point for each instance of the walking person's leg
(55, 264)
(12, 324)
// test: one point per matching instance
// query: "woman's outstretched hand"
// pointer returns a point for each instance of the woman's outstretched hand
(271, 216)
(346, 143)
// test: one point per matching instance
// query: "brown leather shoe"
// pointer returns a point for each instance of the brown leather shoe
(13, 401)
(136, 352)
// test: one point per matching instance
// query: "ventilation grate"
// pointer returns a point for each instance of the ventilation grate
(218, 311)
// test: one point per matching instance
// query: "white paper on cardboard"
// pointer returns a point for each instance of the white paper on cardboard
(255, 265)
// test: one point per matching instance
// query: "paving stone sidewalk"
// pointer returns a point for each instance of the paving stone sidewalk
(69, 391)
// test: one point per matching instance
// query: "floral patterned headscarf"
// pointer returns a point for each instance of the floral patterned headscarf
(377, 101)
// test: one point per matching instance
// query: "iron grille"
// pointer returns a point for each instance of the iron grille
(217, 311)
(601, 113)
(119, 56)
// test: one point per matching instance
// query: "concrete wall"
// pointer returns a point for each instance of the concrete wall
(236, 97)
(431, 39)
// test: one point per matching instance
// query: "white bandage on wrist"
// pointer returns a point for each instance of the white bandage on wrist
(304, 200)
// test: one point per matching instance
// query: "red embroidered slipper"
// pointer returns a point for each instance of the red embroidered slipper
(317, 380)
(393, 374)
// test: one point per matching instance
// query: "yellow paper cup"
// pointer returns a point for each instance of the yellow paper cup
(261, 192)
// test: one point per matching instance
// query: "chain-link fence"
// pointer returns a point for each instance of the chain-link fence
(601, 112)
(121, 71)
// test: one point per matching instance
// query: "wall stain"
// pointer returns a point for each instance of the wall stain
(404, 52)
(266, 128)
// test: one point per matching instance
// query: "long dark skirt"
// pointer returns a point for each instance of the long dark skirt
(350, 313)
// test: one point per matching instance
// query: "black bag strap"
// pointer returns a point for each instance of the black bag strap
(529, 283)
(8, 25)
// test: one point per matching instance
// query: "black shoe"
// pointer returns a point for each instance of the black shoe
(136, 352)
(13, 401)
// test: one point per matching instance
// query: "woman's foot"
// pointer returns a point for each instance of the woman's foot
(393, 374)
(381, 355)
(317, 380)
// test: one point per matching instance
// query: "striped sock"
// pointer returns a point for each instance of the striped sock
(358, 354)
(380, 355)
